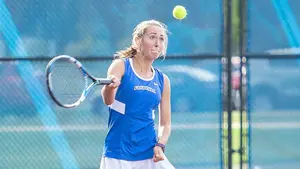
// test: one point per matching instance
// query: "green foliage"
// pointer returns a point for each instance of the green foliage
(235, 25)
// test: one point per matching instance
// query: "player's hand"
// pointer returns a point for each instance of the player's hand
(115, 82)
(158, 154)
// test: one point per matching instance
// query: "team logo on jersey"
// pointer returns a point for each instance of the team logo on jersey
(147, 88)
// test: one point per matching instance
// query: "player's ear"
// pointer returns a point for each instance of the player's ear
(137, 43)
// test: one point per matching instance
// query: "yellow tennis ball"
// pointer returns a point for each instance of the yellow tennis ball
(179, 12)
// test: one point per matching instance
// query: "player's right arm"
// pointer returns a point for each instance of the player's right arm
(115, 73)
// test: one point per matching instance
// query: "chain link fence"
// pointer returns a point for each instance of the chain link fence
(35, 133)
(273, 82)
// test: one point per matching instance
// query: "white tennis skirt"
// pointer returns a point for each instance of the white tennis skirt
(111, 163)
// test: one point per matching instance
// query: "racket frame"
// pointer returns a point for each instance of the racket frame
(85, 74)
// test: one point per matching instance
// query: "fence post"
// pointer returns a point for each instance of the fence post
(227, 56)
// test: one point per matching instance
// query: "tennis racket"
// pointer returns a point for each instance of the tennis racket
(68, 82)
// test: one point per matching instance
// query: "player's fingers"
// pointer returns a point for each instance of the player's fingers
(115, 81)
(116, 84)
(156, 159)
(158, 156)
(111, 85)
(155, 156)
(113, 78)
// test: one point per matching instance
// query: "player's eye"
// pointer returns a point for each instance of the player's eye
(152, 37)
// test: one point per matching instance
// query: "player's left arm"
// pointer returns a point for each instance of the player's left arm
(164, 126)
(164, 129)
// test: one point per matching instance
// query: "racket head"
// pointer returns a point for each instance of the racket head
(67, 81)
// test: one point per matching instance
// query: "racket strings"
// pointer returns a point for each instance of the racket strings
(67, 82)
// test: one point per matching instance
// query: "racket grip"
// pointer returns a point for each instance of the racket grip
(104, 81)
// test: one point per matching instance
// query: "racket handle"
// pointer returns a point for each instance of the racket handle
(104, 81)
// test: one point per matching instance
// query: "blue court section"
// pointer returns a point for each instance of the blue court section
(274, 113)
(274, 84)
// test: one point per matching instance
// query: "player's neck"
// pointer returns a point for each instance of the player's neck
(142, 66)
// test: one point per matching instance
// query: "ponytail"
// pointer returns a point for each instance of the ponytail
(126, 53)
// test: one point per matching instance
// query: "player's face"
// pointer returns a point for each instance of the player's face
(153, 42)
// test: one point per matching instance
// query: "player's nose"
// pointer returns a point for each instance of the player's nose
(156, 43)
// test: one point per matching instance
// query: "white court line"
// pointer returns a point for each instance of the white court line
(256, 115)
(195, 126)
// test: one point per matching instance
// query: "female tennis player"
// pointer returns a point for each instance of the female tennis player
(137, 90)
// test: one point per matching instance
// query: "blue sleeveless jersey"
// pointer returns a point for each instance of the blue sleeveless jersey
(131, 129)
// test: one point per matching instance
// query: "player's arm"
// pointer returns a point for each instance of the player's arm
(115, 73)
(164, 129)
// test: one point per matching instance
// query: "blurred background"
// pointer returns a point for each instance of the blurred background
(238, 114)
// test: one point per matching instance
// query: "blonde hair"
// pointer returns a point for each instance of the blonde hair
(139, 32)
